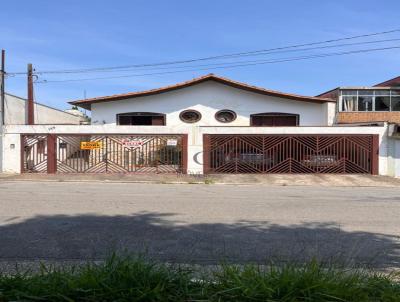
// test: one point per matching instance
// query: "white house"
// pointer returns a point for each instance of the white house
(206, 125)
(211, 101)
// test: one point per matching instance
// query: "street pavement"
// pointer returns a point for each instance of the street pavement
(199, 223)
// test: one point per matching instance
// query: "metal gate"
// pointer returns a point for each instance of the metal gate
(353, 154)
(34, 153)
(104, 153)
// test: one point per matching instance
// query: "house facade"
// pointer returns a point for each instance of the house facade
(206, 125)
(210, 101)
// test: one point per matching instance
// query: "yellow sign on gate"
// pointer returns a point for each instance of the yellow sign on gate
(91, 145)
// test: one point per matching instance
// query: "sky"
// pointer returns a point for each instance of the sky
(59, 35)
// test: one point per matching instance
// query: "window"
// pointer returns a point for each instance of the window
(370, 100)
(141, 119)
(364, 103)
(274, 119)
(225, 116)
(395, 101)
(350, 103)
(382, 103)
(190, 116)
(395, 104)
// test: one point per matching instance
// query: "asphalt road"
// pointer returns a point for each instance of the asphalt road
(200, 223)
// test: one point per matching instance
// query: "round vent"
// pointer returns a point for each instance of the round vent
(225, 116)
(190, 116)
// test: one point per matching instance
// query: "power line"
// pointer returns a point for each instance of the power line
(223, 56)
(217, 64)
(211, 65)
(237, 64)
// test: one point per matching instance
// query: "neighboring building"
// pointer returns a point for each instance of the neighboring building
(372, 104)
(16, 113)
(378, 103)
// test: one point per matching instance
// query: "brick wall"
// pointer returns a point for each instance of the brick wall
(359, 117)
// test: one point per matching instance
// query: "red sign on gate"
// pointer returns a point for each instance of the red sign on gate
(132, 142)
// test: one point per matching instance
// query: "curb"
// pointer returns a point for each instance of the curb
(195, 183)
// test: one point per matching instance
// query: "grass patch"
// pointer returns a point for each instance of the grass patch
(134, 279)
(209, 181)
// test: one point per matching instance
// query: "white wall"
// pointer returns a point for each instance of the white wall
(397, 159)
(16, 113)
(330, 113)
(208, 98)
(1, 147)
(12, 156)
(394, 157)
(11, 153)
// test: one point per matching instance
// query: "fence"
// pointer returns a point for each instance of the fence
(104, 153)
(338, 154)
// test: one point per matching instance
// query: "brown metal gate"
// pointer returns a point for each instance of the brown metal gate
(34, 153)
(104, 153)
(340, 154)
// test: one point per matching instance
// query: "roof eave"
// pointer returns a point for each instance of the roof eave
(86, 103)
(87, 106)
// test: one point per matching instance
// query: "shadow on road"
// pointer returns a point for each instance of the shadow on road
(162, 238)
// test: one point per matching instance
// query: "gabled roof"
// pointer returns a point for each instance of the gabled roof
(209, 77)
(389, 83)
(331, 94)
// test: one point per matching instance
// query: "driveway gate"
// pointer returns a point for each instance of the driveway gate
(356, 154)
(34, 153)
(104, 153)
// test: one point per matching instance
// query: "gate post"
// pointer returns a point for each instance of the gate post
(206, 153)
(22, 153)
(51, 154)
(375, 155)
(184, 153)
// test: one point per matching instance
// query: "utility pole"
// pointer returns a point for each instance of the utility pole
(2, 101)
(2, 93)
(31, 115)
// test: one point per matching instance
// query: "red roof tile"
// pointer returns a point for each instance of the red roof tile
(389, 83)
(86, 103)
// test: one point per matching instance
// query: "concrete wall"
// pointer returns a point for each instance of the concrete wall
(16, 113)
(12, 152)
(210, 97)
(394, 157)
(396, 169)
(1, 148)
(330, 113)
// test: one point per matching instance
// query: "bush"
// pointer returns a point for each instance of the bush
(134, 279)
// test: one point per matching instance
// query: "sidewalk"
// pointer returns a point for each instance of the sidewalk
(239, 179)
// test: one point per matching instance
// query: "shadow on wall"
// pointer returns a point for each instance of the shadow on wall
(161, 238)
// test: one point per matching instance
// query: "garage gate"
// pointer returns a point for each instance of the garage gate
(104, 153)
(333, 154)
